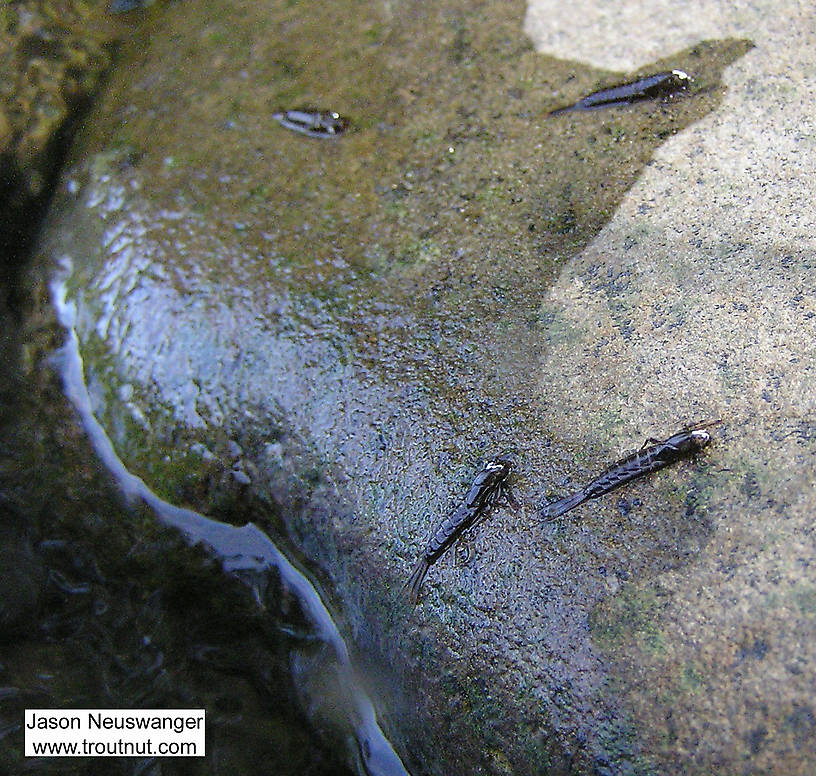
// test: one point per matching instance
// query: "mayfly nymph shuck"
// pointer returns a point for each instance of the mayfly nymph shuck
(489, 486)
(655, 454)
(312, 122)
(649, 88)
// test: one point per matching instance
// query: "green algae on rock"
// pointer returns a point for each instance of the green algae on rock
(102, 606)
(352, 325)
(53, 56)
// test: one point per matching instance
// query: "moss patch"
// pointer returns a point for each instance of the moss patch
(631, 615)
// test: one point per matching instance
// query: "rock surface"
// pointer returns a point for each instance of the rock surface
(345, 328)
(698, 293)
(52, 58)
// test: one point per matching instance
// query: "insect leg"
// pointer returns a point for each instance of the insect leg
(510, 498)
(489, 502)
(703, 424)
(650, 441)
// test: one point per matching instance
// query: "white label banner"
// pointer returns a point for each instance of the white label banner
(114, 733)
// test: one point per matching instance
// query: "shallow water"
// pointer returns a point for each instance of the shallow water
(100, 609)
(220, 235)
(247, 553)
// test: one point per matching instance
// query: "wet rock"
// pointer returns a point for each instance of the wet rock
(398, 304)
(52, 58)
(99, 602)
(694, 302)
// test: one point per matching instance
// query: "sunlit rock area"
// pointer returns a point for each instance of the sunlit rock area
(329, 336)
(695, 302)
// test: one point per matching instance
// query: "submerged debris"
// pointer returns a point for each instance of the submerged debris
(312, 122)
(659, 85)
(649, 458)
(489, 485)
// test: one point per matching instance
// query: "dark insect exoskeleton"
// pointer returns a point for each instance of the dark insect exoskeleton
(655, 454)
(489, 486)
(649, 88)
(312, 122)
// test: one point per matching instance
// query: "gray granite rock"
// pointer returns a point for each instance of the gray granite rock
(348, 327)
(711, 314)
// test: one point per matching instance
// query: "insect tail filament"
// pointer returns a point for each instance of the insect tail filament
(411, 588)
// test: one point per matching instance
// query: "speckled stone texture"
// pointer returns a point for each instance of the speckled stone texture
(347, 329)
(52, 58)
(697, 301)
